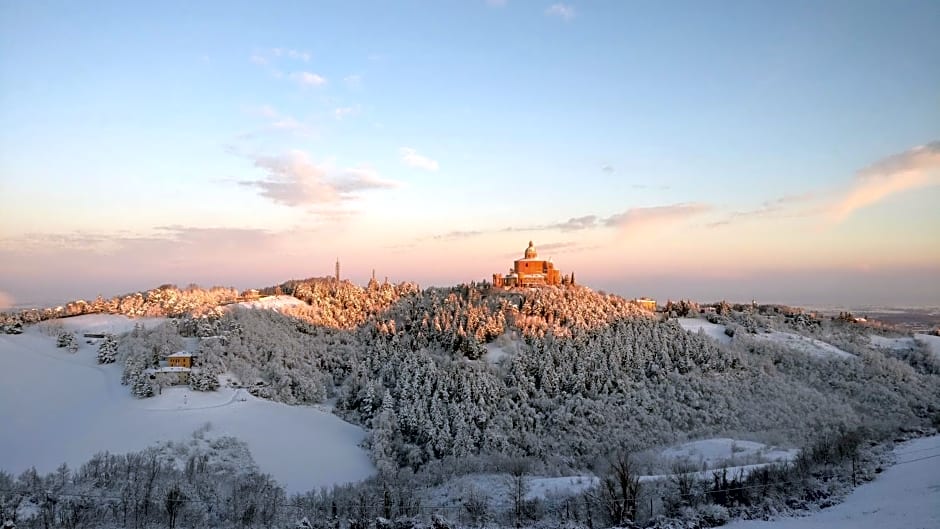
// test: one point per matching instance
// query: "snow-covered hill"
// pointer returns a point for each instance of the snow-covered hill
(932, 342)
(712, 330)
(804, 344)
(273, 303)
(57, 406)
(905, 496)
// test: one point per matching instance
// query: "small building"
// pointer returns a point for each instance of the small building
(646, 303)
(529, 271)
(169, 376)
(180, 359)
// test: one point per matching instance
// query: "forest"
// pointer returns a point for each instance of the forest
(551, 382)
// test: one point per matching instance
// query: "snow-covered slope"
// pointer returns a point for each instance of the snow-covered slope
(713, 330)
(905, 496)
(932, 342)
(98, 323)
(884, 342)
(804, 344)
(272, 302)
(57, 406)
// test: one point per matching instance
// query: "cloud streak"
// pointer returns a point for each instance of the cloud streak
(293, 179)
(778, 207)
(648, 217)
(913, 169)
(308, 79)
(562, 11)
(411, 158)
(635, 218)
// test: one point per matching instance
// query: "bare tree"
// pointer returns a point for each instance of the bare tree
(620, 489)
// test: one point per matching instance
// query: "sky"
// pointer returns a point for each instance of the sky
(777, 151)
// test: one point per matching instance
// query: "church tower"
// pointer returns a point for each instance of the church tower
(337, 269)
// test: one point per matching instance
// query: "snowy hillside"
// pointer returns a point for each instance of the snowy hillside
(712, 330)
(895, 344)
(932, 342)
(64, 407)
(905, 496)
(804, 344)
(273, 303)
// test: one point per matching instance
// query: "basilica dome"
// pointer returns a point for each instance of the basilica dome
(530, 252)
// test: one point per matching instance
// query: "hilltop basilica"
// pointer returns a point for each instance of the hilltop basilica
(530, 271)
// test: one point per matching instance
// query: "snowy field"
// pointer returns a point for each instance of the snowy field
(803, 344)
(57, 406)
(712, 330)
(905, 496)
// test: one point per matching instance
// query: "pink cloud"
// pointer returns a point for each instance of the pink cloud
(913, 169)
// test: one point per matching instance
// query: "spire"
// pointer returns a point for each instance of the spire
(337, 269)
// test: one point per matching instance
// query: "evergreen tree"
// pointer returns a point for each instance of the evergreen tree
(107, 351)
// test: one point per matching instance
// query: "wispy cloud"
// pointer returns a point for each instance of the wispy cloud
(308, 79)
(576, 223)
(411, 158)
(353, 81)
(293, 179)
(607, 168)
(563, 11)
(457, 235)
(912, 169)
(778, 207)
(264, 57)
(647, 217)
(654, 216)
(276, 122)
(342, 112)
(299, 55)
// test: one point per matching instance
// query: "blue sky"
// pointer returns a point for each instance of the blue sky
(725, 142)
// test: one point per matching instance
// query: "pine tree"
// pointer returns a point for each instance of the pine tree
(142, 387)
(107, 350)
(67, 340)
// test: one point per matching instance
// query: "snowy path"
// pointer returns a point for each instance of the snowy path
(905, 496)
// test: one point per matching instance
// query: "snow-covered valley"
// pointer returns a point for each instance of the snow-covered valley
(58, 406)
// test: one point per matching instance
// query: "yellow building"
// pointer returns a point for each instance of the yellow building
(180, 359)
(646, 303)
(529, 271)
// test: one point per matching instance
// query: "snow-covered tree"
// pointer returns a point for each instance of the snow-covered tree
(107, 351)
(67, 340)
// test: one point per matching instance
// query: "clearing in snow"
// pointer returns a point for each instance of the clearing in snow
(712, 330)
(803, 344)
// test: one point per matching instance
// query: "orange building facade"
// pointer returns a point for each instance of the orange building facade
(530, 271)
